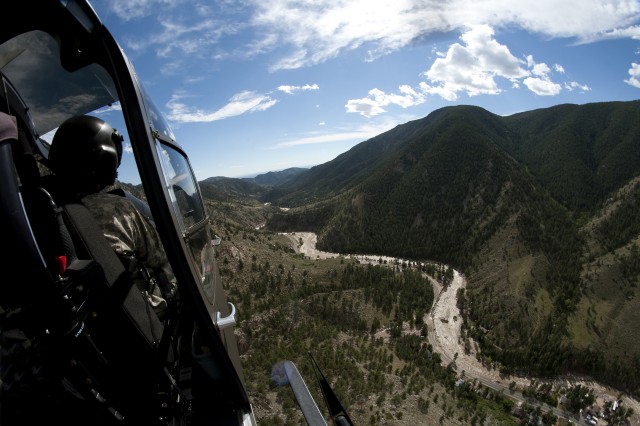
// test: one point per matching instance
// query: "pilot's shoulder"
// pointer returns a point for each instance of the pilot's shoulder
(108, 203)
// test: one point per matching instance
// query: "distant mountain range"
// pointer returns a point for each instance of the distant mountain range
(539, 209)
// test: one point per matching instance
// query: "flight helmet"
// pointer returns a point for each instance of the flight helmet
(86, 152)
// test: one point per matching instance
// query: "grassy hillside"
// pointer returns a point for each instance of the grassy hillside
(608, 315)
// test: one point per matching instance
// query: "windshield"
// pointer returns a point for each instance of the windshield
(31, 66)
(158, 122)
(31, 61)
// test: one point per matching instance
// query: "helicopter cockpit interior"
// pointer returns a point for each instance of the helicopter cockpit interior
(78, 339)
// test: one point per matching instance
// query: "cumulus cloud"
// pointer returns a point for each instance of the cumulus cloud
(540, 82)
(542, 86)
(634, 75)
(302, 34)
(376, 101)
(241, 103)
(473, 67)
(291, 89)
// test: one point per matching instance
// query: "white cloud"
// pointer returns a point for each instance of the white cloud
(472, 68)
(127, 148)
(319, 30)
(326, 138)
(308, 33)
(490, 54)
(241, 103)
(541, 70)
(313, 32)
(178, 35)
(291, 89)
(376, 101)
(634, 75)
(127, 10)
(574, 85)
(632, 32)
(542, 86)
(260, 46)
(540, 83)
(342, 135)
(367, 107)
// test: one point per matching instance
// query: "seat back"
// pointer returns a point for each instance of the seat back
(78, 338)
(119, 322)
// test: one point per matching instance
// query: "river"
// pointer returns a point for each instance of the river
(444, 326)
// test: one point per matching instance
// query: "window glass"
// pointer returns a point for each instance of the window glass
(158, 122)
(188, 206)
(182, 186)
(202, 251)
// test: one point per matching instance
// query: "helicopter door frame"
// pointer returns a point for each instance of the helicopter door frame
(143, 137)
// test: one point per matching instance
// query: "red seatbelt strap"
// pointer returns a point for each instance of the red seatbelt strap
(62, 264)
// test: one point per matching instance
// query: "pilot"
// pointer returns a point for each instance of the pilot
(85, 155)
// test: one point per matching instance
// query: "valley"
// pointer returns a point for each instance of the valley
(536, 212)
(446, 337)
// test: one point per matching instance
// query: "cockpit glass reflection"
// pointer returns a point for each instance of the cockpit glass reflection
(182, 187)
(187, 204)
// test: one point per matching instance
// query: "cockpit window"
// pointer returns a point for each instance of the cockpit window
(158, 122)
(187, 204)
(182, 187)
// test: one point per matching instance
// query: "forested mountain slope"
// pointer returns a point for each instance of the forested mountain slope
(580, 153)
(538, 209)
(347, 169)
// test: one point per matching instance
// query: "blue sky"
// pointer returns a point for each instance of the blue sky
(251, 86)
